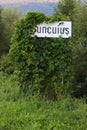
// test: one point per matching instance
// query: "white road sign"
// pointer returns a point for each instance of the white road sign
(56, 29)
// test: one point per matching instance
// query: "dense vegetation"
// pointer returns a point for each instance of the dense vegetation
(40, 79)
(7, 18)
(77, 12)
(47, 61)
(19, 112)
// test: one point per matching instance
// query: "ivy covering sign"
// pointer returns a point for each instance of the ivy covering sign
(56, 29)
(42, 64)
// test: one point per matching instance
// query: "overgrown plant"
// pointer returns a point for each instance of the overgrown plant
(41, 64)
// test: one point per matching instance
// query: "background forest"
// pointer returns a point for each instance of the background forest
(43, 82)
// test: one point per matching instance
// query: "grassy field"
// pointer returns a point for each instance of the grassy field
(32, 113)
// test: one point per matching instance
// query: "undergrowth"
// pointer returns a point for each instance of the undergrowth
(32, 113)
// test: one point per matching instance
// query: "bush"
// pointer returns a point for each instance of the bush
(41, 64)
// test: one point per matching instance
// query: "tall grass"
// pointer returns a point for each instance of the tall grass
(32, 113)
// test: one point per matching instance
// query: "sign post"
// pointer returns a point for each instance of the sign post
(56, 29)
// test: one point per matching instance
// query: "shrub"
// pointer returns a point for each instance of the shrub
(42, 64)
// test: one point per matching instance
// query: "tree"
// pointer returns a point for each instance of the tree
(77, 12)
(79, 86)
(80, 23)
(66, 7)
(80, 51)
(8, 17)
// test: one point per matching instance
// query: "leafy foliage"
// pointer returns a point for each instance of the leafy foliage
(66, 7)
(79, 23)
(80, 51)
(77, 12)
(32, 113)
(80, 71)
(7, 18)
(43, 62)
